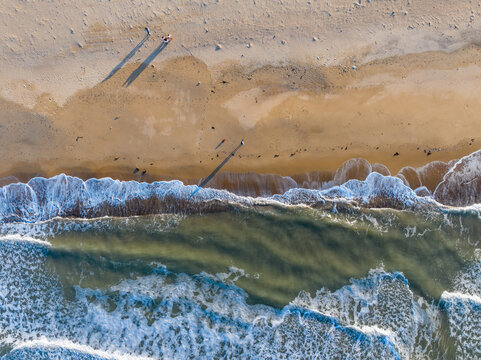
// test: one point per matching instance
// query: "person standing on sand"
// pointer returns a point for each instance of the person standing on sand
(222, 141)
(167, 39)
(148, 31)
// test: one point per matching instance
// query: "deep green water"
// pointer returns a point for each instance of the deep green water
(283, 250)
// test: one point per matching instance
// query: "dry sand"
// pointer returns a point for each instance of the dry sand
(308, 85)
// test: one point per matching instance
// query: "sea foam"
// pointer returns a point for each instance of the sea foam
(169, 315)
(66, 196)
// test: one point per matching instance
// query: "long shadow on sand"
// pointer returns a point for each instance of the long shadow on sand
(135, 74)
(127, 58)
(216, 170)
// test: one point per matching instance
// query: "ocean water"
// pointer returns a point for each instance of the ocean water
(368, 269)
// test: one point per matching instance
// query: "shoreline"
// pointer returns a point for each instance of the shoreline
(428, 174)
(275, 166)
(304, 98)
(295, 119)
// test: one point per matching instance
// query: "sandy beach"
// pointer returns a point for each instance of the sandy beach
(308, 85)
(329, 158)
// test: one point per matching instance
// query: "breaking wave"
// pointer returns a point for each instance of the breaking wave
(160, 313)
(175, 315)
(65, 196)
(424, 180)
(463, 307)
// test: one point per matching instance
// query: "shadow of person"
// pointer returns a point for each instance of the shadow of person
(216, 170)
(135, 74)
(127, 58)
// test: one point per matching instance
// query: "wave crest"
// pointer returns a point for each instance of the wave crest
(461, 185)
(66, 196)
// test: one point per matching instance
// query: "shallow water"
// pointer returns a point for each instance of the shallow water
(269, 281)
(103, 269)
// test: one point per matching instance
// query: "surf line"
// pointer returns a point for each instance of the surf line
(212, 174)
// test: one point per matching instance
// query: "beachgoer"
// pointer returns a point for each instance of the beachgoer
(222, 141)
(148, 31)
(242, 142)
(165, 39)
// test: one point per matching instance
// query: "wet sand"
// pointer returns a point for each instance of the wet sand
(166, 109)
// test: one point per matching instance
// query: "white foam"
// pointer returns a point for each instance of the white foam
(60, 196)
(66, 344)
(463, 307)
(461, 184)
(449, 296)
(166, 315)
(381, 305)
(473, 169)
(20, 238)
(375, 331)
(41, 199)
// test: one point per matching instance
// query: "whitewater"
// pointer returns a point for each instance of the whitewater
(371, 269)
